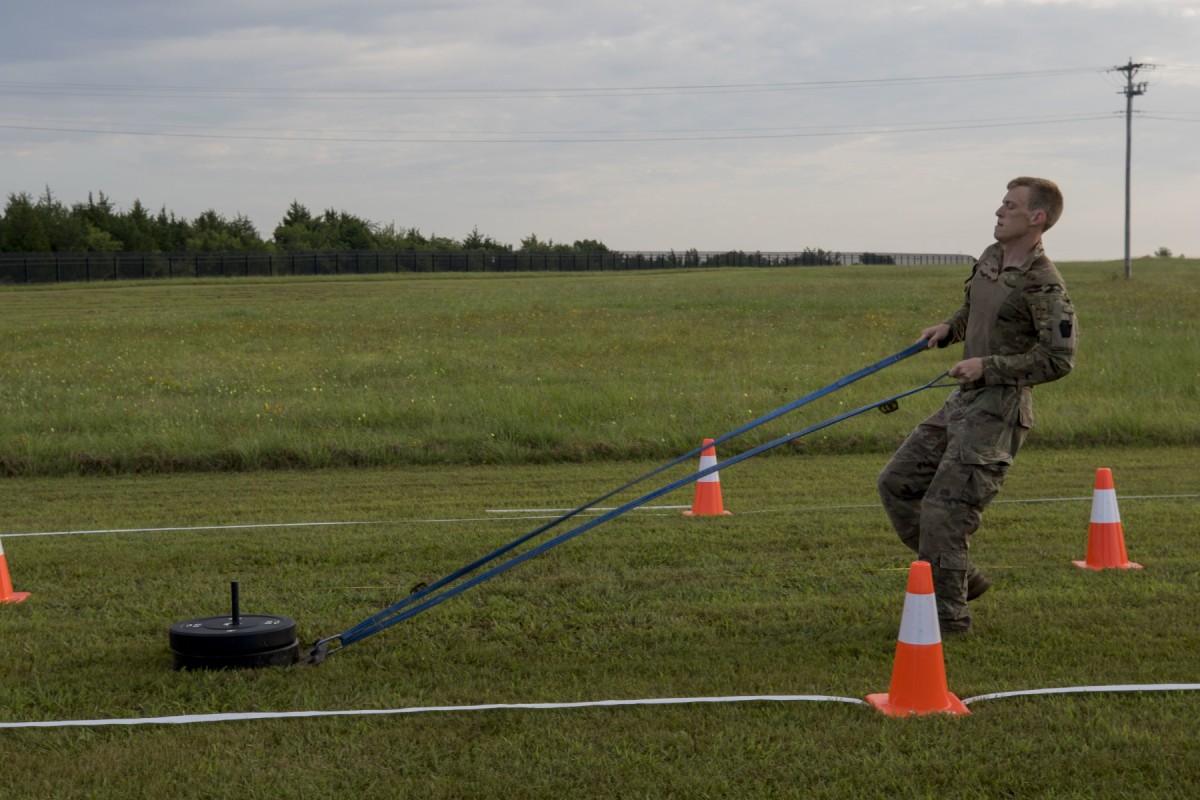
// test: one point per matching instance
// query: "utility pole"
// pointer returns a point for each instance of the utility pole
(1131, 91)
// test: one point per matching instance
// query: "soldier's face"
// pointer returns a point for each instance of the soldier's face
(1013, 217)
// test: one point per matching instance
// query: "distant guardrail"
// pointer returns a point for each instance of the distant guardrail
(72, 267)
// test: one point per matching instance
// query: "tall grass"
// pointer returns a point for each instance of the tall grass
(405, 369)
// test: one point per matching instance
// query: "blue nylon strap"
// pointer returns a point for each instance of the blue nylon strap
(364, 630)
(425, 599)
(416, 597)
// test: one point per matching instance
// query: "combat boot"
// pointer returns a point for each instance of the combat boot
(977, 584)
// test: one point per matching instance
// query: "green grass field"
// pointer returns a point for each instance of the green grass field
(469, 369)
(419, 405)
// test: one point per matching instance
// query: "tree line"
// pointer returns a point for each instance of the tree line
(47, 225)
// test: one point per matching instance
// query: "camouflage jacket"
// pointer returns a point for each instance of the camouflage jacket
(1032, 338)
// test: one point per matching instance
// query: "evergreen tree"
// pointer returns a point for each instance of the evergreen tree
(170, 232)
(212, 233)
(68, 233)
(478, 241)
(23, 230)
(298, 231)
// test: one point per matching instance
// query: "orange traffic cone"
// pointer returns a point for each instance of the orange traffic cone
(708, 487)
(7, 595)
(1106, 539)
(919, 671)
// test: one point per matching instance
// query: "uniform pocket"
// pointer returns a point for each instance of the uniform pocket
(983, 456)
(993, 425)
(959, 561)
(984, 484)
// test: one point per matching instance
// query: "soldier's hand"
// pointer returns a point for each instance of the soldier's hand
(935, 334)
(968, 370)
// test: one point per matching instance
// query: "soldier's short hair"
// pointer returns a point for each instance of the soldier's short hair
(1044, 195)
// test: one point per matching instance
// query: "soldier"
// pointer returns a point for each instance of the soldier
(1018, 329)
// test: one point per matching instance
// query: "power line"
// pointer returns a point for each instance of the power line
(951, 124)
(150, 91)
(581, 137)
(1171, 116)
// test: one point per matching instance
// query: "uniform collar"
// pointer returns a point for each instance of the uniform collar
(991, 263)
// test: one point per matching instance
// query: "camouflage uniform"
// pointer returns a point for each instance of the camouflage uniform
(1021, 322)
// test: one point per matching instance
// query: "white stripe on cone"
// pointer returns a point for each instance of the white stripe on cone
(1104, 506)
(707, 462)
(919, 621)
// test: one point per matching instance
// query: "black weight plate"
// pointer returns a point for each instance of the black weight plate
(218, 636)
(279, 657)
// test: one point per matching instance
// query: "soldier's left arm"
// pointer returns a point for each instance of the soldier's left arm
(1042, 348)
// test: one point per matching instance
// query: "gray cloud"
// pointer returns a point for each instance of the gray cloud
(534, 116)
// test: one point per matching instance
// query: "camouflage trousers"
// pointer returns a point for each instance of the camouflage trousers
(937, 485)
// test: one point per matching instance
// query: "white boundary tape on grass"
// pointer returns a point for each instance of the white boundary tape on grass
(589, 510)
(182, 529)
(188, 719)
(1151, 687)
(192, 719)
(313, 524)
(501, 515)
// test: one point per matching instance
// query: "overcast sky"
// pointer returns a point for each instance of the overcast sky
(880, 125)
